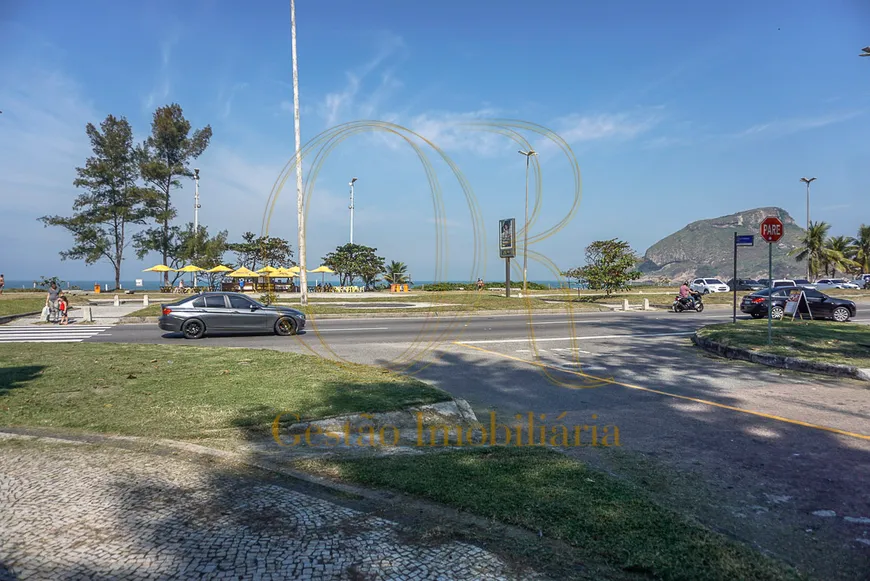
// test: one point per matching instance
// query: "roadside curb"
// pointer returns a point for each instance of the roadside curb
(7, 318)
(781, 361)
(453, 411)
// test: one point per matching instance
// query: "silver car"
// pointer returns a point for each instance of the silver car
(829, 283)
(223, 312)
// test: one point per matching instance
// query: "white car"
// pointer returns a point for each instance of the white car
(709, 285)
(835, 283)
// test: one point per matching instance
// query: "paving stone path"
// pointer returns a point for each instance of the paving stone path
(85, 512)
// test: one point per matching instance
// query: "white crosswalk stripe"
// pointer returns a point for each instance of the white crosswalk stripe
(50, 333)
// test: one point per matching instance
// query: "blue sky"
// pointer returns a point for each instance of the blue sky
(676, 111)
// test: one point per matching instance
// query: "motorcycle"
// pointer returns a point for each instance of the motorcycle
(692, 302)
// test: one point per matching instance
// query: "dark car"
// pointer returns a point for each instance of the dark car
(821, 305)
(744, 284)
(225, 312)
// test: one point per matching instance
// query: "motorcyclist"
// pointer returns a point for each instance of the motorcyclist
(687, 295)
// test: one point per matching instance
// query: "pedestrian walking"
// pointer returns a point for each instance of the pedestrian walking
(51, 298)
(2, 283)
(63, 305)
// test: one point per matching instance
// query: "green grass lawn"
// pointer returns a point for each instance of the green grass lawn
(19, 305)
(186, 392)
(612, 526)
(845, 343)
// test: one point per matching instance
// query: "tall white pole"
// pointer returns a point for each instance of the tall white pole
(808, 181)
(196, 207)
(528, 155)
(526, 231)
(351, 212)
(300, 203)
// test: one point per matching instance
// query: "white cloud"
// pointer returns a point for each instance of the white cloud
(454, 132)
(226, 98)
(783, 127)
(342, 105)
(43, 139)
(577, 128)
(163, 84)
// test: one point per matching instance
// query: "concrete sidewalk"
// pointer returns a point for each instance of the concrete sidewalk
(76, 510)
(103, 315)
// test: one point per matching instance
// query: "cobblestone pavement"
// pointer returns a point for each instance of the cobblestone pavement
(86, 512)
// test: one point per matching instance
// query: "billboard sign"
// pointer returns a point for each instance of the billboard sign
(507, 238)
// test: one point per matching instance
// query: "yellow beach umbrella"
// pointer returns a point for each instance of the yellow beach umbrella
(158, 268)
(243, 273)
(189, 268)
(267, 270)
(323, 269)
(220, 268)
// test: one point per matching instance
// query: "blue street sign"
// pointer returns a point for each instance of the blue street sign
(748, 240)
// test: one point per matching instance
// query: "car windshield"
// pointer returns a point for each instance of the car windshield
(837, 281)
(801, 281)
(714, 281)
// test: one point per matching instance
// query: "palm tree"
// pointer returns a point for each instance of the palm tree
(861, 249)
(812, 247)
(836, 254)
(396, 273)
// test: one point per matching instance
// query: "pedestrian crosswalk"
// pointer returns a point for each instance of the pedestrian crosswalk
(50, 333)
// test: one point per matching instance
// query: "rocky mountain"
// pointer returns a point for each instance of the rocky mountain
(706, 248)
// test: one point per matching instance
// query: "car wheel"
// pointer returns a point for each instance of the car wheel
(285, 326)
(706, 291)
(776, 312)
(193, 329)
(841, 314)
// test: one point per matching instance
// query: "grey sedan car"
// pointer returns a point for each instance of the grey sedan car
(222, 312)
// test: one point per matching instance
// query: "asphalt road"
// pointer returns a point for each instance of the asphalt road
(750, 450)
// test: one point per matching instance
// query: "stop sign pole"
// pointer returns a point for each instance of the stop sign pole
(771, 231)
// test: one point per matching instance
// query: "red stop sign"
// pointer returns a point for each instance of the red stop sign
(771, 229)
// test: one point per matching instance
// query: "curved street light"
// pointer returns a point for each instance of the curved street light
(528, 155)
(808, 181)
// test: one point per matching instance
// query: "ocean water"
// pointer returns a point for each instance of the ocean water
(153, 283)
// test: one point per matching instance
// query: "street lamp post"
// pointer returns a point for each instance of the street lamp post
(300, 201)
(196, 205)
(808, 181)
(351, 208)
(196, 208)
(528, 155)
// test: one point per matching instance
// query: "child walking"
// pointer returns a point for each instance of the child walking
(63, 306)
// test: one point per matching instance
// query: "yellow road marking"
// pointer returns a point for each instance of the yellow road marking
(685, 397)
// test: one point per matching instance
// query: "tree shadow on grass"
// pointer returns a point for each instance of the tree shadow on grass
(16, 377)
(751, 477)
